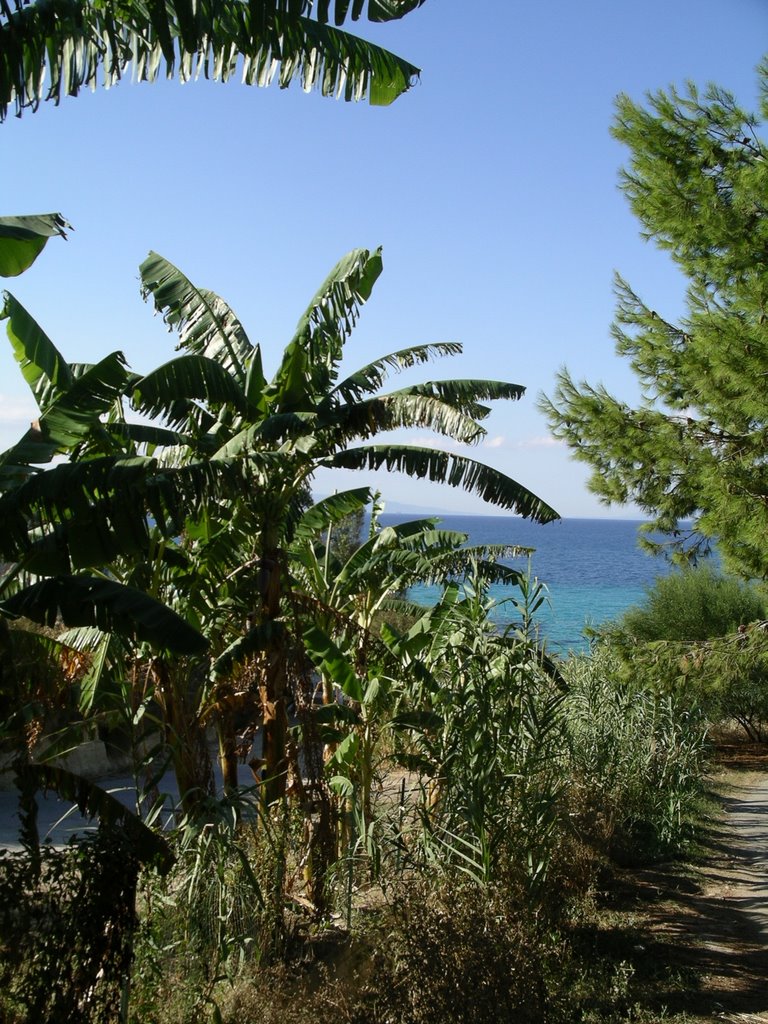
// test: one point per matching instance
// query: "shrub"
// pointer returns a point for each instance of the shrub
(693, 604)
(636, 760)
(66, 929)
(457, 951)
(696, 636)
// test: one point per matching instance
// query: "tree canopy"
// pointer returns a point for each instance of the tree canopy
(694, 447)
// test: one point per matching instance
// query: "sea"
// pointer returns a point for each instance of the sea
(592, 569)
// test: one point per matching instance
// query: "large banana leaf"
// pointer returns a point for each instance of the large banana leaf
(148, 434)
(71, 416)
(42, 365)
(466, 395)
(206, 324)
(187, 377)
(329, 511)
(121, 493)
(447, 468)
(93, 801)
(110, 606)
(76, 414)
(22, 239)
(363, 419)
(75, 43)
(332, 662)
(311, 358)
(368, 379)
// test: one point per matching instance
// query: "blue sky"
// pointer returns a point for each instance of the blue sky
(492, 187)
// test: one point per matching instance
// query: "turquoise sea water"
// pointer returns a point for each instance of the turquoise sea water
(593, 568)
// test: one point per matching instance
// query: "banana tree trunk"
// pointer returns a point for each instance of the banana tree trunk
(225, 728)
(184, 735)
(274, 682)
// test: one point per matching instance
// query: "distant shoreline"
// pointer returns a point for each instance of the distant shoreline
(510, 515)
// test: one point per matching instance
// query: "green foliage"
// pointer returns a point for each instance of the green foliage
(66, 930)
(694, 604)
(636, 760)
(50, 50)
(695, 445)
(346, 536)
(22, 239)
(450, 748)
(219, 911)
(699, 636)
(485, 728)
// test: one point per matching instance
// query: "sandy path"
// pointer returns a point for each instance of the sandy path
(746, 824)
(716, 925)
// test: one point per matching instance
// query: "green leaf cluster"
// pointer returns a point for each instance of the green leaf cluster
(55, 48)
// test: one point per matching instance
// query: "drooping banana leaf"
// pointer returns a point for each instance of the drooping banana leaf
(93, 801)
(451, 469)
(110, 606)
(363, 419)
(54, 48)
(368, 379)
(22, 239)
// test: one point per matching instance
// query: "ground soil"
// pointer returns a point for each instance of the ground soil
(697, 933)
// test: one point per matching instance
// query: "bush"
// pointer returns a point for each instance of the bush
(66, 929)
(636, 760)
(458, 951)
(697, 637)
(693, 604)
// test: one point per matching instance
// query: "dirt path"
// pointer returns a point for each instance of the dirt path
(710, 931)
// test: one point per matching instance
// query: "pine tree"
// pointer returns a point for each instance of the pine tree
(696, 445)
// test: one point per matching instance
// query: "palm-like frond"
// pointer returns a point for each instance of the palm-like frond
(368, 379)
(75, 415)
(110, 606)
(205, 323)
(289, 431)
(77, 43)
(330, 511)
(93, 801)
(467, 395)
(362, 420)
(147, 434)
(42, 365)
(187, 377)
(99, 504)
(448, 468)
(310, 361)
(71, 417)
(366, 560)
(22, 239)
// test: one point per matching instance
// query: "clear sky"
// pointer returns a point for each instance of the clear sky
(492, 187)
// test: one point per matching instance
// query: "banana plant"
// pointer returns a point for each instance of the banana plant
(65, 520)
(76, 498)
(278, 432)
(484, 723)
(343, 603)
